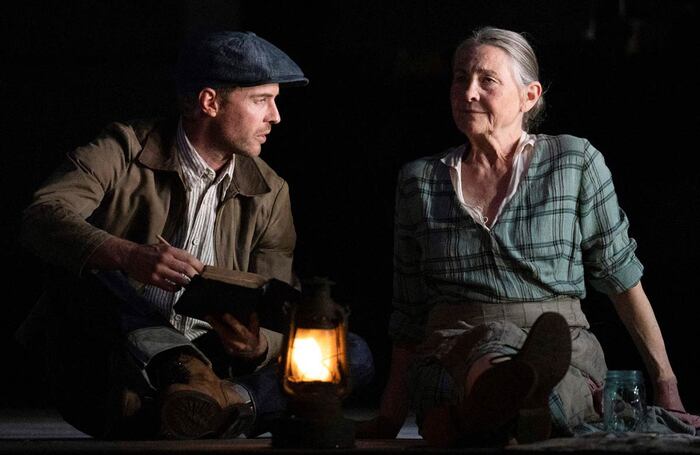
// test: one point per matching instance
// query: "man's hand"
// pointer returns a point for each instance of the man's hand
(239, 340)
(160, 265)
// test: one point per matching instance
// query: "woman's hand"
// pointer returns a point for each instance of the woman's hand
(636, 313)
(667, 396)
(380, 427)
(394, 406)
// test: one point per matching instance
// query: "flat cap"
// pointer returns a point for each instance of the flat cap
(225, 58)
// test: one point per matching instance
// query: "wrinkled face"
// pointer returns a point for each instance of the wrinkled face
(486, 98)
(245, 118)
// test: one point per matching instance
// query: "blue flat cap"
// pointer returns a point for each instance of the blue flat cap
(226, 58)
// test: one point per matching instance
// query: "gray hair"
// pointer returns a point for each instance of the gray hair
(525, 66)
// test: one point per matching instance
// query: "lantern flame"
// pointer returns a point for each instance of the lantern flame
(315, 356)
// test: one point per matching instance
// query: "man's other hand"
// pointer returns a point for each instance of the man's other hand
(239, 340)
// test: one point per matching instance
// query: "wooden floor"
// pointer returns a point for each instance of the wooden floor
(260, 446)
(24, 431)
(43, 423)
(35, 431)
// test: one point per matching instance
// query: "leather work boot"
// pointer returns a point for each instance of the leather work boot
(195, 403)
(131, 411)
(547, 349)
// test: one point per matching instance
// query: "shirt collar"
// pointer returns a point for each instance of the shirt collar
(453, 158)
(160, 152)
(195, 169)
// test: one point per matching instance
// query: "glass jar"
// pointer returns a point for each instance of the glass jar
(624, 401)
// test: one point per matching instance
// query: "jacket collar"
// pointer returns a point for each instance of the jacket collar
(159, 147)
(247, 179)
(160, 153)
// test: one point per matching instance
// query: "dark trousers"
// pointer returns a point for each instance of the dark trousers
(90, 359)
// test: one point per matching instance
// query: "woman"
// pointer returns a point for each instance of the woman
(492, 236)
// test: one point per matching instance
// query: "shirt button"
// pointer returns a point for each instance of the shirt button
(195, 242)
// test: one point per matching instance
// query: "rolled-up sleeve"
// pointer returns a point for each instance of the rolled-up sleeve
(608, 252)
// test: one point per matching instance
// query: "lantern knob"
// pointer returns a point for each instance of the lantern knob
(317, 306)
(319, 286)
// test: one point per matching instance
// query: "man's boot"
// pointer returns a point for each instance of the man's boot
(195, 403)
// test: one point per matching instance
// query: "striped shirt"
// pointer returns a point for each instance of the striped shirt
(205, 190)
(561, 227)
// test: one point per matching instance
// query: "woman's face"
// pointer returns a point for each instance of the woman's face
(486, 98)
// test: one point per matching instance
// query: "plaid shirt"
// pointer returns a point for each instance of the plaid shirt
(561, 228)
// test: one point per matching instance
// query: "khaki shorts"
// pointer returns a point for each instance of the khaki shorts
(436, 380)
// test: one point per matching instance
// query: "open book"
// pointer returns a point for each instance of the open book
(219, 290)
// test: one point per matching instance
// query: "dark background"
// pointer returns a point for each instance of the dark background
(619, 73)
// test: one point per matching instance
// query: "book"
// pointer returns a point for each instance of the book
(219, 290)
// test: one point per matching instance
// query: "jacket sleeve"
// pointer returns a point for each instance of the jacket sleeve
(273, 257)
(54, 225)
(274, 252)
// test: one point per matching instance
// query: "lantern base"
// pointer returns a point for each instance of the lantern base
(314, 424)
(294, 432)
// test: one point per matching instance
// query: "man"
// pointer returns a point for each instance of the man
(130, 218)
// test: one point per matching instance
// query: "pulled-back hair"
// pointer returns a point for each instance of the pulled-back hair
(525, 66)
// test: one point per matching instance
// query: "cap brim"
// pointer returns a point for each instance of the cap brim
(297, 83)
(286, 82)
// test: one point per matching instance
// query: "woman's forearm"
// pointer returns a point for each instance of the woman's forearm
(637, 315)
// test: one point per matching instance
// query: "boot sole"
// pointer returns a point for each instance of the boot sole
(192, 415)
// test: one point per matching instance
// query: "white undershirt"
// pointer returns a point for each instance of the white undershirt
(521, 161)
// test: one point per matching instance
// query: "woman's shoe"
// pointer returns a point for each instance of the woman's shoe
(493, 403)
(547, 349)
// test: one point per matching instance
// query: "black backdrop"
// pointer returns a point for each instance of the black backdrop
(619, 73)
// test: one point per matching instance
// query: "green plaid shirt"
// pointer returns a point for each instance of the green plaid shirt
(562, 227)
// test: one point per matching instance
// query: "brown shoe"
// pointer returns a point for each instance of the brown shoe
(202, 405)
(493, 403)
(547, 349)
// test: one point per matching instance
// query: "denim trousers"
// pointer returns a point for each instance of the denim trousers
(91, 355)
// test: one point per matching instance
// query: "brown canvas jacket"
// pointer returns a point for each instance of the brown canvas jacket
(126, 183)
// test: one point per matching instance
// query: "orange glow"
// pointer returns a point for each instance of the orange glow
(315, 356)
